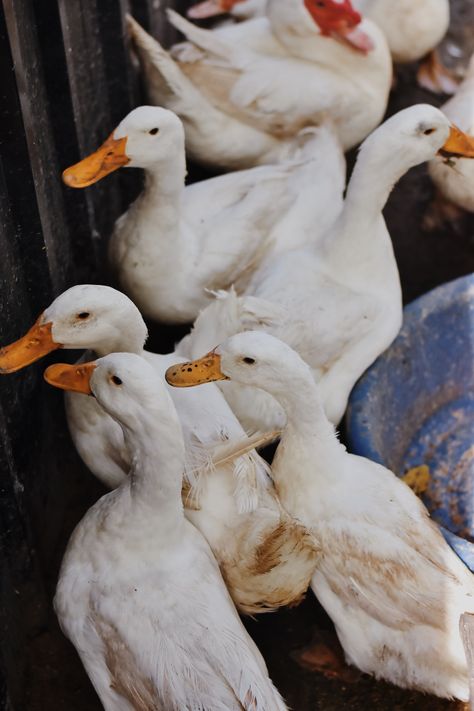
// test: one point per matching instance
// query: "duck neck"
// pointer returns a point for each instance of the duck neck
(358, 233)
(156, 214)
(165, 179)
(128, 339)
(156, 447)
(307, 437)
(294, 29)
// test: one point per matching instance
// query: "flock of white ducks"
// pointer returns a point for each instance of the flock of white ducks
(175, 244)
(300, 288)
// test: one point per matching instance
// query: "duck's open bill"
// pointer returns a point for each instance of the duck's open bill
(35, 344)
(459, 144)
(196, 372)
(75, 378)
(109, 157)
(358, 39)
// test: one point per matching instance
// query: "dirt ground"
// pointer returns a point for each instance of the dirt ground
(426, 258)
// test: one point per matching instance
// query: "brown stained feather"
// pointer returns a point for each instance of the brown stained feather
(268, 553)
(391, 570)
(275, 573)
(126, 679)
(190, 501)
(386, 653)
(216, 84)
(362, 567)
(428, 555)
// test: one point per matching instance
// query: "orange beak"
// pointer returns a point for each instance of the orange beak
(75, 378)
(458, 145)
(109, 157)
(197, 372)
(35, 344)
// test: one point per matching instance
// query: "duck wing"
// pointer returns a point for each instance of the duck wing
(389, 559)
(270, 92)
(184, 648)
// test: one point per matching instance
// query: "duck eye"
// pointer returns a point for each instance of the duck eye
(153, 131)
(429, 131)
(249, 361)
(116, 380)
(83, 315)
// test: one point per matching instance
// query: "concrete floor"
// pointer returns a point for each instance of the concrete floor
(426, 259)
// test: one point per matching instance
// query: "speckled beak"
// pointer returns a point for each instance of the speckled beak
(75, 378)
(109, 157)
(35, 344)
(458, 145)
(196, 372)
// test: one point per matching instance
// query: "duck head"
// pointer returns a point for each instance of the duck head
(145, 137)
(338, 19)
(413, 136)
(125, 385)
(87, 316)
(251, 358)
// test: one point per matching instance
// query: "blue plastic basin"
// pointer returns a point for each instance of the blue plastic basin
(415, 406)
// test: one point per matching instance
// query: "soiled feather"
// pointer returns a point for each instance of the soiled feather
(277, 571)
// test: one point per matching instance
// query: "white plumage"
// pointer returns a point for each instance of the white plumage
(389, 581)
(176, 243)
(246, 91)
(338, 303)
(412, 27)
(267, 558)
(139, 593)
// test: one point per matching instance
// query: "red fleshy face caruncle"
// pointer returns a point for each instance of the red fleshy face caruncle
(337, 18)
(332, 16)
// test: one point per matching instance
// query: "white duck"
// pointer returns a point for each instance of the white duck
(457, 185)
(338, 303)
(139, 594)
(386, 577)
(176, 243)
(265, 556)
(243, 102)
(413, 28)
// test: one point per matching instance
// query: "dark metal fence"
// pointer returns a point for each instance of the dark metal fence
(66, 80)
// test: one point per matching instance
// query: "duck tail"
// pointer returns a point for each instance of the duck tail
(166, 83)
(208, 41)
(277, 572)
